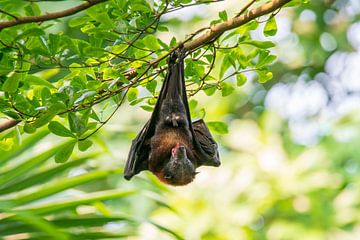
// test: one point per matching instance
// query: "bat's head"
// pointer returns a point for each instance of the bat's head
(179, 170)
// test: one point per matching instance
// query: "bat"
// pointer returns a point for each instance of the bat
(170, 145)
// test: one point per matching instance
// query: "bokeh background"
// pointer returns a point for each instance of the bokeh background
(290, 162)
(291, 157)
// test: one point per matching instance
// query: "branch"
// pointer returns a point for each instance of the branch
(235, 22)
(8, 123)
(212, 33)
(216, 30)
(49, 16)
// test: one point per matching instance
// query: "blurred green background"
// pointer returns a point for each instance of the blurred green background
(290, 160)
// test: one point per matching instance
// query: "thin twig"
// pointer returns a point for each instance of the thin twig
(189, 43)
(245, 8)
(50, 16)
(108, 119)
(9, 14)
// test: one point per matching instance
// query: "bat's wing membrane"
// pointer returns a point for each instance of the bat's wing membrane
(138, 158)
(139, 154)
(208, 154)
(205, 146)
(206, 149)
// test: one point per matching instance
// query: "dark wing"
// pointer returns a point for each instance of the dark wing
(206, 149)
(208, 154)
(138, 158)
(139, 154)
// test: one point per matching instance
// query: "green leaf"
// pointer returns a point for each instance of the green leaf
(141, 7)
(11, 84)
(58, 186)
(162, 29)
(76, 123)
(76, 201)
(132, 94)
(84, 96)
(64, 153)
(270, 28)
(25, 167)
(165, 229)
(49, 114)
(265, 58)
(240, 79)
(223, 16)
(17, 136)
(29, 128)
(11, 114)
(31, 32)
(31, 220)
(32, 9)
(173, 42)
(209, 90)
(163, 45)
(15, 227)
(218, 127)
(147, 108)
(44, 176)
(193, 104)
(78, 21)
(54, 43)
(226, 89)
(44, 119)
(27, 143)
(151, 42)
(6, 144)
(259, 44)
(225, 65)
(84, 145)
(59, 129)
(264, 76)
(151, 86)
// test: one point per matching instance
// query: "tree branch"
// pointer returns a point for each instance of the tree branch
(8, 123)
(206, 38)
(216, 30)
(49, 16)
(235, 22)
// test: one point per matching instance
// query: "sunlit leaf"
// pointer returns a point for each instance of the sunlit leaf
(64, 153)
(270, 28)
(226, 89)
(218, 127)
(59, 129)
(240, 79)
(84, 144)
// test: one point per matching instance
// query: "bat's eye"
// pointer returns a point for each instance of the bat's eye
(168, 177)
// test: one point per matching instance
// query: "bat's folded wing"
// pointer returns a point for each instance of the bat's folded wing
(139, 154)
(209, 154)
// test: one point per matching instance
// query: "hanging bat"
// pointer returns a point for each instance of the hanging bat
(170, 145)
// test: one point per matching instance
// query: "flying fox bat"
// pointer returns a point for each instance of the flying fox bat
(170, 145)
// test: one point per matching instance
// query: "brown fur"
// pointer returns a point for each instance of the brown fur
(160, 176)
(161, 145)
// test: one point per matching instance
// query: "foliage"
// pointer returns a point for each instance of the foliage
(272, 184)
(75, 200)
(290, 166)
(72, 74)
